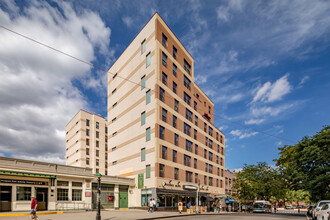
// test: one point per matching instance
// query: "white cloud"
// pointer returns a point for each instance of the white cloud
(273, 92)
(37, 97)
(128, 21)
(271, 111)
(279, 143)
(303, 81)
(241, 134)
(254, 121)
(237, 170)
(223, 13)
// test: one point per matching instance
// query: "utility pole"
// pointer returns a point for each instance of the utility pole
(98, 215)
(197, 196)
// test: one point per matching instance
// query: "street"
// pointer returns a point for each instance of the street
(246, 217)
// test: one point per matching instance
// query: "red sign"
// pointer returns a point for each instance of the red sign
(88, 194)
(110, 198)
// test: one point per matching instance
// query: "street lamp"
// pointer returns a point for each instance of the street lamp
(98, 215)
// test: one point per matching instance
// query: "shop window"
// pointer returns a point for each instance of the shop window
(76, 195)
(62, 183)
(62, 194)
(23, 193)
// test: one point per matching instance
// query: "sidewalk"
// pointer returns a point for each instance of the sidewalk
(106, 215)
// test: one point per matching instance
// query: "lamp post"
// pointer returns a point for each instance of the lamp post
(98, 215)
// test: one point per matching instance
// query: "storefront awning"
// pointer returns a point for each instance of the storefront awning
(229, 200)
(27, 174)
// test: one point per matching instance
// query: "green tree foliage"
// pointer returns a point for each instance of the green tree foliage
(306, 165)
(259, 182)
(298, 196)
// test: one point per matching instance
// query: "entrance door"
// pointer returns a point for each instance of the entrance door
(42, 197)
(123, 199)
(5, 198)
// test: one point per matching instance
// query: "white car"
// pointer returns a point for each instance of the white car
(318, 208)
(324, 213)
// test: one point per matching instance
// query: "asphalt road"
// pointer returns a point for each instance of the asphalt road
(245, 217)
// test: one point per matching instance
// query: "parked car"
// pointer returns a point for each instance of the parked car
(318, 207)
(324, 213)
(289, 207)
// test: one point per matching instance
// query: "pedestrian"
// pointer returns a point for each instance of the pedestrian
(151, 206)
(154, 202)
(189, 205)
(180, 206)
(214, 207)
(220, 207)
(34, 205)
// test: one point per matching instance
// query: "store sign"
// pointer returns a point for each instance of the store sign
(140, 181)
(189, 187)
(23, 182)
(88, 194)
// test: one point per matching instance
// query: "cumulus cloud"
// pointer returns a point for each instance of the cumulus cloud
(254, 121)
(241, 135)
(37, 96)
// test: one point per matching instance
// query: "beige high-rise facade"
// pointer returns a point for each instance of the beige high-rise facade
(161, 129)
(86, 142)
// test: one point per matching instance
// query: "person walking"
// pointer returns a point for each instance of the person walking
(154, 202)
(151, 206)
(34, 205)
(180, 206)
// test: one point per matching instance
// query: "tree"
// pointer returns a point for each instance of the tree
(306, 165)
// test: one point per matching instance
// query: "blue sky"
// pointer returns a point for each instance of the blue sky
(265, 64)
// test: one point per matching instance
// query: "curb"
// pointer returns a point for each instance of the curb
(27, 214)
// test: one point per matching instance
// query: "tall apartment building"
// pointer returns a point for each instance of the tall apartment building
(161, 129)
(86, 142)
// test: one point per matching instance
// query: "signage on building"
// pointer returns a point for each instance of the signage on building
(140, 181)
(189, 187)
(88, 194)
(23, 182)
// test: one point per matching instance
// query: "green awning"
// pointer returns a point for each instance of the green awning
(27, 174)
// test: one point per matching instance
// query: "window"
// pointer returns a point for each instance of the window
(114, 134)
(209, 109)
(97, 125)
(164, 40)
(175, 51)
(148, 60)
(114, 148)
(206, 167)
(114, 162)
(97, 153)
(148, 171)
(186, 160)
(222, 151)
(174, 156)
(221, 161)
(176, 173)
(196, 120)
(217, 136)
(196, 149)
(161, 132)
(97, 170)
(164, 114)
(205, 126)
(97, 143)
(210, 156)
(148, 93)
(189, 146)
(164, 152)
(106, 130)
(217, 182)
(186, 98)
(174, 87)
(218, 148)
(143, 118)
(143, 154)
(205, 152)
(114, 105)
(186, 129)
(205, 180)
(210, 168)
(148, 134)
(62, 194)
(176, 140)
(218, 171)
(196, 178)
(164, 78)
(76, 194)
(23, 193)
(97, 134)
(221, 183)
(176, 105)
(87, 132)
(222, 172)
(211, 181)
(186, 67)
(195, 134)
(161, 94)
(186, 82)
(174, 69)
(188, 176)
(87, 151)
(87, 122)
(114, 120)
(174, 121)
(87, 161)
(97, 162)
(195, 163)
(188, 115)
(164, 59)
(161, 170)
(221, 139)
(206, 141)
(195, 106)
(143, 82)
(210, 131)
(210, 143)
(143, 46)
(114, 76)
(113, 91)
(217, 159)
